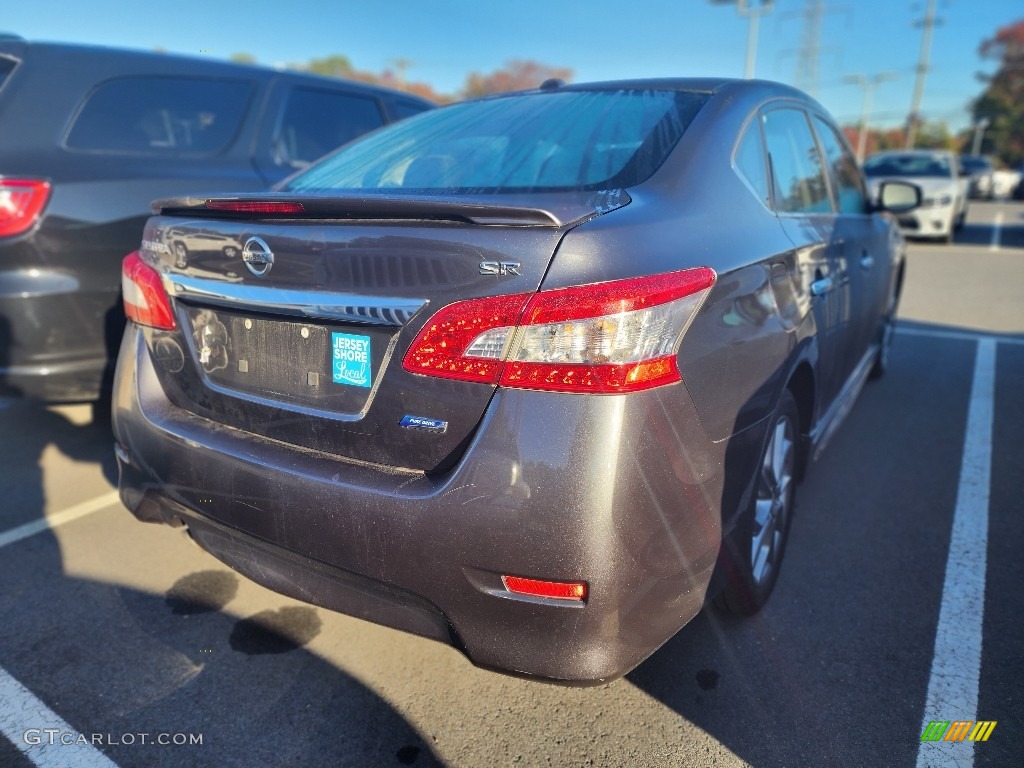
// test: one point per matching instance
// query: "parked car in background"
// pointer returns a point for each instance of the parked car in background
(89, 137)
(979, 172)
(516, 374)
(944, 208)
(1009, 183)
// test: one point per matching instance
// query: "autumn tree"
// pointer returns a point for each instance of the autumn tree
(516, 75)
(340, 66)
(1002, 101)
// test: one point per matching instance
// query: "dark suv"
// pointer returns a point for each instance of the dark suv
(88, 137)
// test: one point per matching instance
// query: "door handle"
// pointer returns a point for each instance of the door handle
(867, 261)
(822, 286)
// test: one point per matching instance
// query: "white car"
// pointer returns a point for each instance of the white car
(944, 190)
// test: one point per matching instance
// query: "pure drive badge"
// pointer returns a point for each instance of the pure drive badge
(421, 422)
(351, 359)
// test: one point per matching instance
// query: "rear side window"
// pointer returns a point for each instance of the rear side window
(846, 179)
(751, 163)
(799, 179)
(161, 115)
(318, 121)
(521, 142)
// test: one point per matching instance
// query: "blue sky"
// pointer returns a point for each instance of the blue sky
(598, 40)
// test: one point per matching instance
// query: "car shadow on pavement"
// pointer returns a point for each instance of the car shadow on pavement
(973, 234)
(112, 660)
(1010, 235)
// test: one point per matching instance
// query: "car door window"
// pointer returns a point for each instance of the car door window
(317, 121)
(751, 163)
(846, 179)
(797, 172)
(161, 115)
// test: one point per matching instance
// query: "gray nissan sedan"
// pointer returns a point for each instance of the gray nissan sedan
(534, 375)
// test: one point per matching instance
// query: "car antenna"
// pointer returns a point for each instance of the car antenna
(552, 84)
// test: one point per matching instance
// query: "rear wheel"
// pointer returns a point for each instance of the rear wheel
(752, 554)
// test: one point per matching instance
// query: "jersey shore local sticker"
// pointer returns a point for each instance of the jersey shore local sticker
(351, 357)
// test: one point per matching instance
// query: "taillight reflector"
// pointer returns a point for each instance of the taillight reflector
(145, 300)
(558, 590)
(619, 336)
(21, 202)
(253, 206)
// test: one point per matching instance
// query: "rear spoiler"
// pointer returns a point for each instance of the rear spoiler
(554, 210)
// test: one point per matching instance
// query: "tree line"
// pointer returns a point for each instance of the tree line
(515, 75)
(1000, 106)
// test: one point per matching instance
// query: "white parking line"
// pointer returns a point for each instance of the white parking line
(959, 335)
(58, 518)
(24, 719)
(956, 662)
(996, 231)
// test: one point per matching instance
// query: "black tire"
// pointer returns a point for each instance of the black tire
(750, 576)
(885, 336)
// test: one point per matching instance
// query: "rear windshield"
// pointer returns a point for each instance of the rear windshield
(161, 115)
(973, 164)
(565, 140)
(908, 165)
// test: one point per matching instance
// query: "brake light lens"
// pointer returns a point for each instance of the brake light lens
(558, 590)
(145, 300)
(619, 336)
(21, 202)
(251, 206)
(467, 340)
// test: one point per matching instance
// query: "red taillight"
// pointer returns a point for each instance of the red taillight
(619, 336)
(145, 300)
(558, 590)
(444, 346)
(248, 206)
(21, 202)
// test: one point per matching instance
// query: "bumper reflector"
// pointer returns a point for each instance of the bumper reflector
(559, 590)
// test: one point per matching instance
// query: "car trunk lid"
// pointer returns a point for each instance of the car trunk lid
(293, 325)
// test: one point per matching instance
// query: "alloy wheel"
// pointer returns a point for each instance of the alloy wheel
(774, 495)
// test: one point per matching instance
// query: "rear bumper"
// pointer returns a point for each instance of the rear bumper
(621, 492)
(55, 335)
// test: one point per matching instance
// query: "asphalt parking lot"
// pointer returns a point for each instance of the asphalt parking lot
(128, 637)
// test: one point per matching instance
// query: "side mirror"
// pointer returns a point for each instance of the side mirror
(899, 196)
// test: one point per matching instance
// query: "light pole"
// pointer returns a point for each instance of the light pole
(979, 133)
(868, 84)
(753, 14)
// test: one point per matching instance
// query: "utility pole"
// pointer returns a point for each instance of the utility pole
(868, 84)
(928, 22)
(979, 132)
(810, 47)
